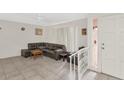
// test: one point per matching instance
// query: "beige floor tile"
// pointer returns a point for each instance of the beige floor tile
(2, 77)
(1, 70)
(19, 68)
(9, 69)
(29, 74)
(12, 74)
(36, 77)
(24, 68)
(89, 75)
(48, 75)
(112, 78)
(101, 77)
(17, 77)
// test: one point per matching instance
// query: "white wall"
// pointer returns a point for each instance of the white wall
(50, 35)
(75, 38)
(81, 39)
(12, 39)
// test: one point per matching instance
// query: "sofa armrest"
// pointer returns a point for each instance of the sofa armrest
(57, 53)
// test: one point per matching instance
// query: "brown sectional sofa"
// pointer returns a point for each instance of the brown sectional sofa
(49, 49)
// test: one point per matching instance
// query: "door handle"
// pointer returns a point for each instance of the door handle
(103, 44)
(103, 48)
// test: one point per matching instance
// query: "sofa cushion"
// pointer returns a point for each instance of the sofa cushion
(39, 44)
(51, 52)
(48, 51)
(50, 47)
(59, 50)
(41, 47)
(32, 46)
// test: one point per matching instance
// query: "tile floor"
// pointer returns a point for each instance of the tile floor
(42, 68)
(91, 75)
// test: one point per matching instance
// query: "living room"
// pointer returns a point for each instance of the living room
(53, 46)
(61, 46)
(22, 33)
(19, 38)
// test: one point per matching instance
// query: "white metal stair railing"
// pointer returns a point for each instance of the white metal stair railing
(77, 71)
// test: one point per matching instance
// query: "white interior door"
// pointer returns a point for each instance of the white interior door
(120, 45)
(111, 37)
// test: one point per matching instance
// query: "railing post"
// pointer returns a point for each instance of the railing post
(78, 66)
(74, 67)
(82, 63)
(71, 67)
